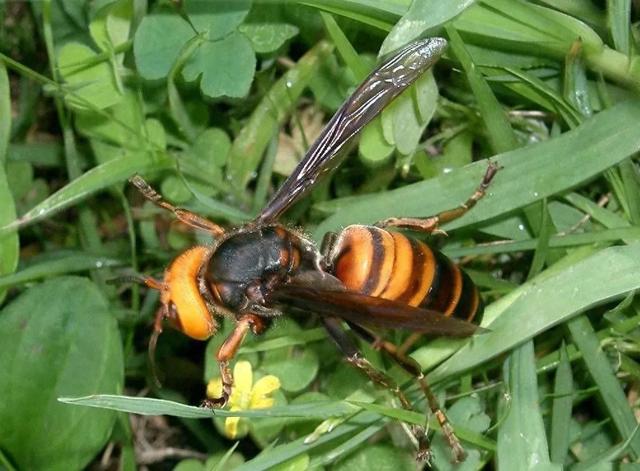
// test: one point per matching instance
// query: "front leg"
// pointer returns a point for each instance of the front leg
(228, 350)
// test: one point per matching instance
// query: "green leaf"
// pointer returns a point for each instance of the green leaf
(189, 465)
(295, 366)
(522, 441)
(268, 37)
(469, 413)
(158, 42)
(211, 148)
(112, 24)
(226, 66)
(9, 243)
(123, 127)
(456, 152)
(20, 176)
(373, 148)
(500, 134)
(344, 48)
(411, 112)
(251, 142)
(91, 81)
(418, 418)
(609, 387)
(564, 293)
(264, 430)
(57, 339)
(618, 19)
(421, 19)
(562, 407)
(149, 406)
(96, 179)
(551, 167)
(377, 457)
(59, 265)
(379, 14)
(299, 463)
(217, 19)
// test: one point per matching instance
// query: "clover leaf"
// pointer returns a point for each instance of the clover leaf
(223, 59)
(226, 67)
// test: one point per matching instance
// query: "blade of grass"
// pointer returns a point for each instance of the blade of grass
(418, 418)
(542, 248)
(569, 115)
(377, 13)
(345, 49)
(552, 360)
(522, 441)
(344, 448)
(618, 19)
(150, 406)
(576, 85)
(602, 215)
(9, 242)
(631, 188)
(561, 409)
(550, 167)
(606, 459)
(500, 134)
(96, 179)
(67, 264)
(610, 389)
(422, 18)
(250, 143)
(279, 454)
(630, 234)
(263, 182)
(565, 293)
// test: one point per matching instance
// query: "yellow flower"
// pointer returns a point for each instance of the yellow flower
(245, 395)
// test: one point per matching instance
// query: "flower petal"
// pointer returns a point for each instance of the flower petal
(263, 387)
(262, 402)
(231, 426)
(243, 376)
(214, 388)
(266, 385)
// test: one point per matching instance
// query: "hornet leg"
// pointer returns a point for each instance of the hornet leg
(431, 224)
(226, 353)
(355, 357)
(413, 368)
(189, 218)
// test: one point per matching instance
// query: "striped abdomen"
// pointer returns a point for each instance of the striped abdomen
(390, 265)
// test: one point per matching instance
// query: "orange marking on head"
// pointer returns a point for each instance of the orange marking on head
(426, 275)
(355, 251)
(402, 268)
(181, 280)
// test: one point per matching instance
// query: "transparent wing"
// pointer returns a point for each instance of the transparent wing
(385, 83)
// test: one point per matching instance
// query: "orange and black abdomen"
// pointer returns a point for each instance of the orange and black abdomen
(389, 265)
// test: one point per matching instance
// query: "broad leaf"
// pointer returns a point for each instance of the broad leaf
(226, 67)
(57, 339)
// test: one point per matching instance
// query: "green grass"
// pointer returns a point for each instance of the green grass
(213, 105)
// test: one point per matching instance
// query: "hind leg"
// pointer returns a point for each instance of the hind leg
(355, 357)
(432, 223)
(412, 367)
